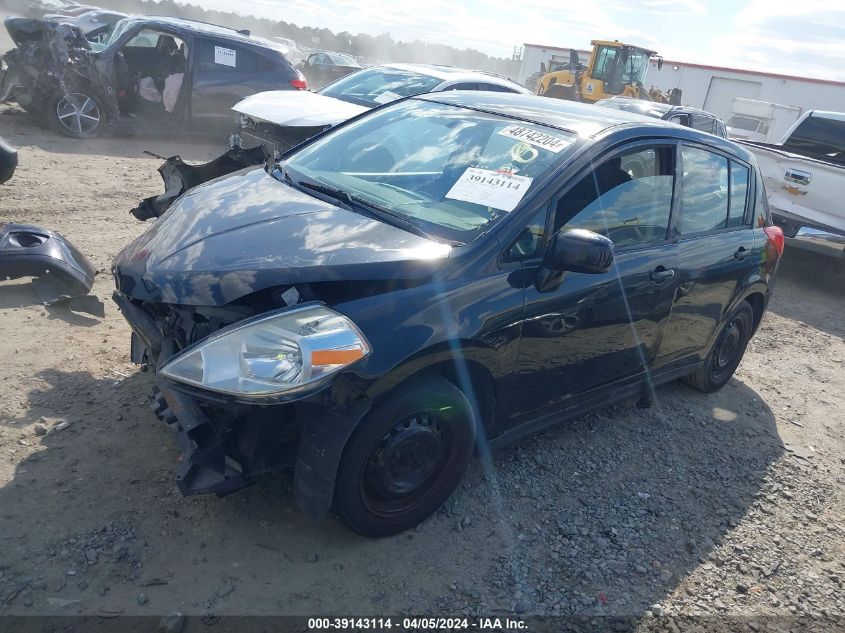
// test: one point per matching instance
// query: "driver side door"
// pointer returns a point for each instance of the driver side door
(592, 332)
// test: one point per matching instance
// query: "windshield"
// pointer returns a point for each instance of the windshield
(339, 59)
(374, 86)
(633, 66)
(116, 30)
(743, 123)
(451, 171)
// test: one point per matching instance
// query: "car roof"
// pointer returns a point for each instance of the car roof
(450, 73)
(580, 118)
(206, 28)
(584, 119)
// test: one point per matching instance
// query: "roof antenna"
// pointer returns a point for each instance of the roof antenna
(245, 32)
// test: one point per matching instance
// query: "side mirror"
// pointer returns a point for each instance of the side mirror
(659, 63)
(580, 251)
(543, 67)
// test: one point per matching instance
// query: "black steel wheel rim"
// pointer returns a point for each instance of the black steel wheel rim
(729, 346)
(405, 464)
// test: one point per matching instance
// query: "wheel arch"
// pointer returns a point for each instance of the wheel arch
(757, 300)
(463, 363)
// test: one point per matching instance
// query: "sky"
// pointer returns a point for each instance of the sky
(794, 37)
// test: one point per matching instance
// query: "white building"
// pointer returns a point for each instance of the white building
(713, 88)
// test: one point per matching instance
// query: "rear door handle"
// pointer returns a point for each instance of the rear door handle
(660, 274)
(741, 252)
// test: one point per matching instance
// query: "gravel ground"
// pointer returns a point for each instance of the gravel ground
(730, 503)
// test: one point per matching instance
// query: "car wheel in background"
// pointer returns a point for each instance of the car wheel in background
(727, 352)
(558, 91)
(75, 114)
(406, 458)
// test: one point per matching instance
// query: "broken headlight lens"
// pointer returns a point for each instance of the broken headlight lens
(275, 353)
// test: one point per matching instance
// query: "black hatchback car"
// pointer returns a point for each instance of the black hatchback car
(157, 71)
(445, 269)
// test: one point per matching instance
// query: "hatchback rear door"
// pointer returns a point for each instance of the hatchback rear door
(715, 249)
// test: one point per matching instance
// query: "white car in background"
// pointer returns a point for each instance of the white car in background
(270, 123)
(279, 120)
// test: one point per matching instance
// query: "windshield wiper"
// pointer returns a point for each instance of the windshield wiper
(373, 209)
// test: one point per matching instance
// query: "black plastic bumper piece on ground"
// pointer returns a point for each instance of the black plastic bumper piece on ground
(33, 251)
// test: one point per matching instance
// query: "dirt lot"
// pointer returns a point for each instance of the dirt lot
(729, 503)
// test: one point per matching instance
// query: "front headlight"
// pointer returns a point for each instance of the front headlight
(275, 353)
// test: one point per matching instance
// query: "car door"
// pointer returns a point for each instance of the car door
(594, 330)
(313, 69)
(224, 74)
(715, 249)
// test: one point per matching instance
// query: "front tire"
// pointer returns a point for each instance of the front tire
(406, 458)
(727, 352)
(76, 114)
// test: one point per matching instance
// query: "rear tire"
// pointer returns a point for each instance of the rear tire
(77, 114)
(406, 458)
(727, 352)
(559, 91)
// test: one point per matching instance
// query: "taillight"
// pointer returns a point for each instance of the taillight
(775, 235)
(299, 84)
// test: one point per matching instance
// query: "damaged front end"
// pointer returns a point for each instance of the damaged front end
(52, 59)
(225, 441)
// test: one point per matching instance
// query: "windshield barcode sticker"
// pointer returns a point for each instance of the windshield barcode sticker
(500, 190)
(225, 56)
(538, 139)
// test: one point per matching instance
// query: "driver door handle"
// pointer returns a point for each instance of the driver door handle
(741, 252)
(660, 274)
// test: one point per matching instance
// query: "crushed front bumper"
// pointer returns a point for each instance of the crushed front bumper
(226, 443)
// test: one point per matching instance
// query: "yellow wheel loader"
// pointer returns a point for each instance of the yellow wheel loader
(614, 69)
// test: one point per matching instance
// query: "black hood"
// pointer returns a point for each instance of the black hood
(248, 232)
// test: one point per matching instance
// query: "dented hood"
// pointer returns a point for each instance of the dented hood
(248, 232)
(297, 108)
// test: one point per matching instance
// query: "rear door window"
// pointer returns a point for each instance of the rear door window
(705, 191)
